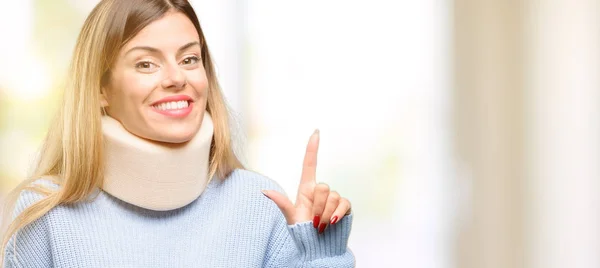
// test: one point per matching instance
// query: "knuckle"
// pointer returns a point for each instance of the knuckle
(332, 201)
(335, 195)
(322, 187)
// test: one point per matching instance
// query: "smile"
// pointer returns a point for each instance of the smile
(178, 106)
(172, 105)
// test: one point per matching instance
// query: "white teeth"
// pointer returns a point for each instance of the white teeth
(172, 105)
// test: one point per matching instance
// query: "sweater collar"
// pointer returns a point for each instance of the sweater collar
(153, 176)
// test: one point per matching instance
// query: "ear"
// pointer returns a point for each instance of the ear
(103, 99)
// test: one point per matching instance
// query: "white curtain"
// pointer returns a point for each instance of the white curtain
(564, 192)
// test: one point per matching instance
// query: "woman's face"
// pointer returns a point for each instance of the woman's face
(158, 87)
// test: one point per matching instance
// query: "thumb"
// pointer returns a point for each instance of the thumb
(284, 204)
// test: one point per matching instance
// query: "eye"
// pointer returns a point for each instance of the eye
(190, 60)
(145, 65)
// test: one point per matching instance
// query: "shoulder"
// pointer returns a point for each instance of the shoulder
(31, 242)
(33, 193)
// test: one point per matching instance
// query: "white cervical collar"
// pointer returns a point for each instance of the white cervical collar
(154, 176)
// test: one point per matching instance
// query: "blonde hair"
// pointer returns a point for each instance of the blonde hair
(72, 152)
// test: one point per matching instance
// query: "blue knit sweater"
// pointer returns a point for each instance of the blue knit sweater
(232, 224)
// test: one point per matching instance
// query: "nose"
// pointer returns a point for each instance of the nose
(174, 78)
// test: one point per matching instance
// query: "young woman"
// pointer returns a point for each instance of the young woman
(138, 169)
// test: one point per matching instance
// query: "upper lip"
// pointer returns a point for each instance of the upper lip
(173, 98)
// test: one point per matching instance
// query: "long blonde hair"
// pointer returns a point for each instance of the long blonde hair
(72, 152)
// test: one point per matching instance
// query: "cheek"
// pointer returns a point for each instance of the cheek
(135, 87)
(198, 81)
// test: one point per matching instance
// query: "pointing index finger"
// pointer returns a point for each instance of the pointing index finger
(309, 168)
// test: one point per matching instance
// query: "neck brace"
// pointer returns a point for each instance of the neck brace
(151, 175)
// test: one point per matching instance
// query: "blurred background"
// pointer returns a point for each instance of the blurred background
(466, 133)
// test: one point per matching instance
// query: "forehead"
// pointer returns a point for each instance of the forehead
(171, 31)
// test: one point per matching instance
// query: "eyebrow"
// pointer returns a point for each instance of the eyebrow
(155, 50)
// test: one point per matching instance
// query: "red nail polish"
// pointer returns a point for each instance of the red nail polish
(322, 227)
(334, 220)
(316, 221)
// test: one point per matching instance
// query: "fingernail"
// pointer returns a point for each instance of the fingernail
(322, 227)
(316, 221)
(265, 193)
(334, 220)
(316, 131)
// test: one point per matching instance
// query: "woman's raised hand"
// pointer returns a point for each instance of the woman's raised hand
(315, 201)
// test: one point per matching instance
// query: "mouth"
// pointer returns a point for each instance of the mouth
(174, 106)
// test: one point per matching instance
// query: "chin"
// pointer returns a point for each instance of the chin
(179, 132)
(177, 137)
